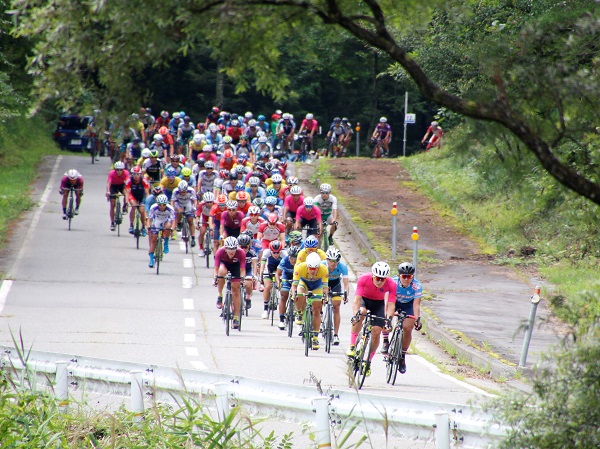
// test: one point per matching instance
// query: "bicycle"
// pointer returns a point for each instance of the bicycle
(327, 325)
(360, 363)
(307, 324)
(324, 237)
(158, 249)
(378, 150)
(185, 231)
(273, 299)
(71, 205)
(118, 212)
(395, 358)
(137, 225)
(208, 242)
(289, 315)
(227, 311)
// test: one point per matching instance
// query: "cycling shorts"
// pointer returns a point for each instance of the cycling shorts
(405, 307)
(232, 232)
(234, 269)
(290, 214)
(137, 199)
(269, 272)
(204, 220)
(377, 308)
(217, 230)
(286, 285)
(188, 208)
(317, 292)
(313, 226)
(155, 227)
(117, 188)
(328, 219)
(336, 290)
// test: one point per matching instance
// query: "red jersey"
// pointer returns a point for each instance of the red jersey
(253, 227)
(244, 209)
(216, 212)
(228, 165)
(271, 233)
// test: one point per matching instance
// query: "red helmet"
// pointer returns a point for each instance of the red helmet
(222, 199)
(215, 109)
(136, 170)
(221, 127)
(272, 219)
(163, 130)
(275, 246)
(227, 154)
(241, 196)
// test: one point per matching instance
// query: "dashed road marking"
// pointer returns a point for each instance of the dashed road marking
(186, 282)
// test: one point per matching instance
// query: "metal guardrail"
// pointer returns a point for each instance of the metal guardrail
(470, 426)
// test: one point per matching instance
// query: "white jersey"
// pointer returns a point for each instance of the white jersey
(327, 206)
(184, 198)
(160, 217)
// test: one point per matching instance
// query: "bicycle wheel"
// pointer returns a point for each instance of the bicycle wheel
(207, 246)
(70, 210)
(158, 249)
(273, 302)
(227, 311)
(328, 329)
(289, 316)
(118, 216)
(137, 225)
(307, 329)
(324, 238)
(242, 303)
(185, 233)
(393, 361)
(364, 361)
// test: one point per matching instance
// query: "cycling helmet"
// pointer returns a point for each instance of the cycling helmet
(171, 173)
(182, 186)
(72, 174)
(270, 201)
(209, 164)
(293, 252)
(308, 202)
(243, 137)
(235, 122)
(208, 197)
(248, 115)
(153, 153)
(285, 116)
(240, 169)
(222, 199)
(296, 237)
(119, 165)
(227, 139)
(311, 242)
(239, 187)
(254, 181)
(434, 123)
(137, 140)
(344, 119)
(309, 116)
(176, 115)
(380, 269)
(215, 109)
(244, 240)
(272, 192)
(269, 166)
(208, 148)
(383, 120)
(175, 158)
(241, 196)
(252, 122)
(333, 254)
(162, 199)
(228, 154)
(242, 158)
(157, 190)
(164, 114)
(186, 171)
(313, 260)
(337, 120)
(146, 153)
(406, 268)
(158, 137)
(325, 188)
(262, 139)
(253, 210)
(292, 181)
(295, 190)
(232, 204)
(221, 127)
(230, 243)
(136, 170)
(272, 219)
(187, 119)
(260, 118)
(258, 202)
(275, 246)
(163, 130)
(277, 178)
(198, 139)
(232, 175)
(213, 128)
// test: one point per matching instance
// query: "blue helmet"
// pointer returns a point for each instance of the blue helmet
(311, 242)
(271, 192)
(171, 173)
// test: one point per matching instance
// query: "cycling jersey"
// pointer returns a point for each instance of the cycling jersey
(367, 290)
(184, 199)
(292, 204)
(340, 272)
(233, 264)
(137, 189)
(312, 282)
(178, 167)
(338, 130)
(65, 183)
(287, 127)
(265, 212)
(311, 213)
(203, 212)
(304, 252)
(232, 223)
(135, 150)
(186, 131)
(383, 129)
(258, 193)
(287, 269)
(250, 257)
(309, 125)
(153, 169)
(206, 181)
(271, 233)
(160, 217)
(327, 206)
(270, 262)
(247, 225)
(214, 139)
(115, 179)
(408, 294)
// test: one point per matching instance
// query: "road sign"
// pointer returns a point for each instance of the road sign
(410, 118)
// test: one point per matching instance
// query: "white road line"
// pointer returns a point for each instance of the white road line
(188, 263)
(188, 304)
(198, 365)
(437, 371)
(189, 338)
(186, 282)
(191, 351)
(190, 322)
(4, 289)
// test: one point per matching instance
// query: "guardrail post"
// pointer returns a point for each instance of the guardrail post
(415, 237)
(442, 430)
(535, 300)
(222, 391)
(322, 432)
(137, 395)
(61, 386)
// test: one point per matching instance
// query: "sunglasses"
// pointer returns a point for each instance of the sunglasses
(275, 252)
(379, 279)
(276, 183)
(406, 276)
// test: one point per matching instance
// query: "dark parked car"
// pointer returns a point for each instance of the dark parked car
(70, 132)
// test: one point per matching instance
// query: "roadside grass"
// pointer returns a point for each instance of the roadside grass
(23, 143)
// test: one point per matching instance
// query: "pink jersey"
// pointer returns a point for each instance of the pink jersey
(230, 222)
(238, 257)
(366, 288)
(271, 233)
(116, 180)
(65, 183)
(308, 214)
(252, 227)
(309, 125)
(293, 205)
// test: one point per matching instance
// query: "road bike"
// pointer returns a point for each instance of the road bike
(395, 360)
(289, 315)
(71, 205)
(324, 237)
(378, 149)
(360, 363)
(137, 225)
(185, 230)
(307, 324)
(327, 324)
(273, 299)
(118, 212)
(227, 311)
(158, 249)
(208, 242)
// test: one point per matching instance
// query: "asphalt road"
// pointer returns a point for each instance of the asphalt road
(89, 292)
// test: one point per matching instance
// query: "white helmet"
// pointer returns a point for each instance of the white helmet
(182, 186)
(325, 188)
(176, 115)
(72, 174)
(227, 139)
(208, 197)
(158, 137)
(252, 122)
(308, 202)
(254, 210)
(209, 164)
(285, 116)
(295, 190)
(380, 269)
(213, 128)
(230, 243)
(276, 178)
(207, 147)
(262, 139)
(248, 114)
(198, 138)
(309, 116)
(313, 260)
(333, 254)
(162, 199)
(146, 152)
(434, 123)
(231, 204)
(119, 165)
(383, 120)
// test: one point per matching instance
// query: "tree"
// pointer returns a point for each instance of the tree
(536, 75)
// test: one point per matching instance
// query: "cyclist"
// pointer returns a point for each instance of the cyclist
(167, 142)
(408, 299)
(329, 209)
(245, 242)
(184, 134)
(203, 213)
(285, 190)
(290, 206)
(231, 220)
(116, 184)
(235, 131)
(72, 178)
(271, 230)
(213, 116)
(284, 276)
(196, 145)
(310, 125)
(151, 199)
(230, 259)
(153, 168)
(339, 286)
(186, 175)
(285, 132)
(161, 215)
(349, 131)
(252, 222)
(294, 239)
(436, 133)
(207, 178)
(254, 189)
(371, 291)
(216, 213)
(337, 134)
(242, 199)
(310, 276)
(183, 201)
(311, 245)
(136, 191)
(383, 132)
(271, 257)
(271, 207)
(169, 182)
(175, 165)
(308, 215)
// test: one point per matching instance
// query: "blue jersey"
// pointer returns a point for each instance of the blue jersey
(408, 294)
(250, 256)
(287, 269)
(271, 263)
(340, 272)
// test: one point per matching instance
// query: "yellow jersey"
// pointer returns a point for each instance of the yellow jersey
(316, 282)
(303, 253)
(170, 184)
